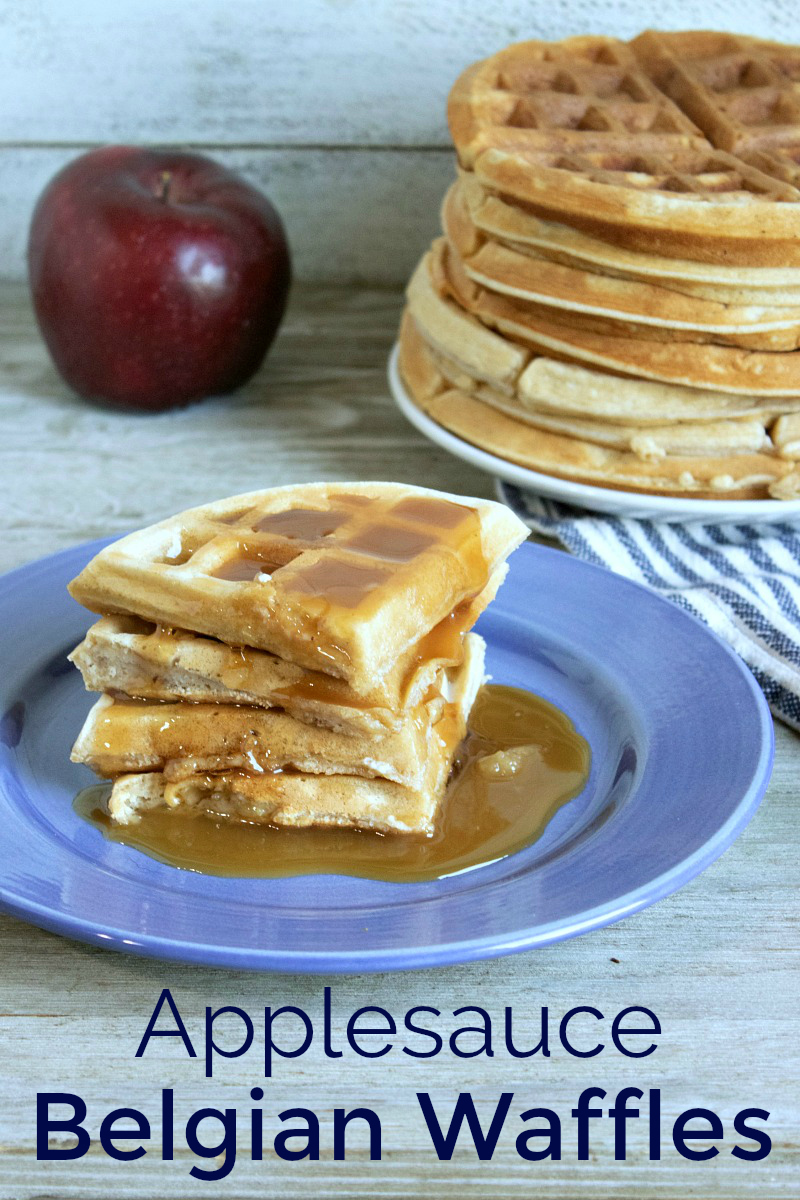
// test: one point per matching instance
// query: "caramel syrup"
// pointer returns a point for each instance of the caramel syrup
(325, 689)
(246, 566)
(302, 524)
(338, 582)
(394, 543)
(445, 640)
(521, 761)
(430, 510)
(363, 552)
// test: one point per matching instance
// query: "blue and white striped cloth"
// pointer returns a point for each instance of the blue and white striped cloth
(742, 580)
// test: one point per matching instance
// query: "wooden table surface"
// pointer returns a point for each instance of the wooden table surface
(717, 962)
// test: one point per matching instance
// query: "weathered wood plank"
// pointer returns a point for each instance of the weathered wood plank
(319, 409)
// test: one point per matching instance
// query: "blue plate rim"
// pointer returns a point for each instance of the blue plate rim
(406, 957)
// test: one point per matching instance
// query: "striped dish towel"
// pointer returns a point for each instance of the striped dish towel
(741, 580)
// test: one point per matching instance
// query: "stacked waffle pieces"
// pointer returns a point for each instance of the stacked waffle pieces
(616, 298)
(299, 656)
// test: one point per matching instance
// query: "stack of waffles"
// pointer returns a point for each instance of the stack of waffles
(299, 656)
(616, 298)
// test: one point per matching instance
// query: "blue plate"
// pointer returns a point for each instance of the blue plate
(682, 749)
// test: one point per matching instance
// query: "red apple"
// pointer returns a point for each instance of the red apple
(158, 277)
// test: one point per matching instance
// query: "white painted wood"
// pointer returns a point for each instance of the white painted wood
(719, 961)
(280, 88)
(350, 215)
(312, 72)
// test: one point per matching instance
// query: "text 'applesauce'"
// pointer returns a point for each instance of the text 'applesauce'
(521, 761)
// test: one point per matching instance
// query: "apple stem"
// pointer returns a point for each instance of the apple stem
(166, 180)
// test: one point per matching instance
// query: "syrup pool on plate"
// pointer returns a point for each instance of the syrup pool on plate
(521, 761)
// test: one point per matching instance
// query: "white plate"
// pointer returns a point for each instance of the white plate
(584, 495)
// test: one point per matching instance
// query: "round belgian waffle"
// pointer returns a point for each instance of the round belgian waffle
(738, 475)
(676, 144)
(607, 303)
(616, 299)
